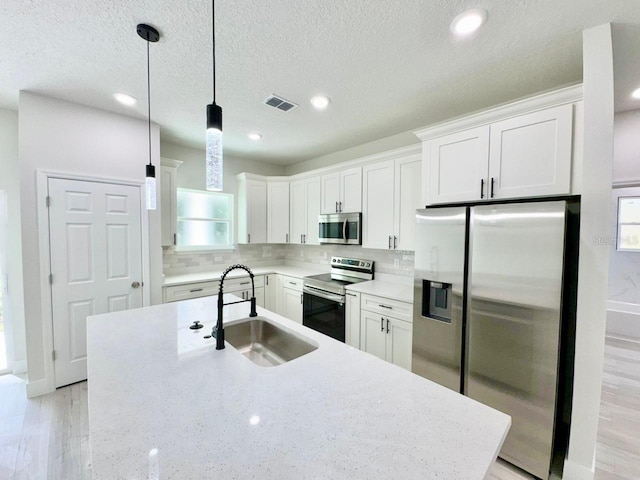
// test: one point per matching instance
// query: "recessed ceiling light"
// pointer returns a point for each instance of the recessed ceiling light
(125, 99)
(468, 22)
(636, 94)
(255, 136)
(320, 102)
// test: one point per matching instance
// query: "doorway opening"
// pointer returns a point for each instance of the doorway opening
(4, 336)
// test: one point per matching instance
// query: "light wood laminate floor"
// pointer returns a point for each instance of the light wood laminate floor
(48, 437)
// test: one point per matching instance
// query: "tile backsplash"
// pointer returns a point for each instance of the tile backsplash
(386, 261)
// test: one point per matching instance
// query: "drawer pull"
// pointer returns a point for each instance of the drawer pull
(293, 283)
(385, 306)
(245, 283)
(195, 290)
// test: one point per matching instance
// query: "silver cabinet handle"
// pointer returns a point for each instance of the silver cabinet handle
(482, 188)
(245, 283)
(267, 278)
(337, 207)
(351, 294)
(248, 238)
(293, 283)
(385, 306)
(387, 325)
(304, 238)
(395, 242)
(492, 180)
(286, 238)
(195, 290)
(301, 299)
(174, 238)
(340, 203)
(301, 238)
(381, 324)
(389, 242)
(135, 285)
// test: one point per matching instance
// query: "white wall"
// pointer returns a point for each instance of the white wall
(67, 137)
(594, 256)
(10, 182)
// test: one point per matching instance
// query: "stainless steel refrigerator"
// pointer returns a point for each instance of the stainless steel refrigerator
(494, 316)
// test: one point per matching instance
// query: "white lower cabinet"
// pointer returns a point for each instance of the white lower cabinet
(292, 304)
(272, 290)
(352, 319)
(193, 290)
(385, 336)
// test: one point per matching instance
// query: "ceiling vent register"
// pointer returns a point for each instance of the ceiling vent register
(280, 103)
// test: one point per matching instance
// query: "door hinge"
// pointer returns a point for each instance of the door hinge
(48, 201)
(51, 279)
(53, 355)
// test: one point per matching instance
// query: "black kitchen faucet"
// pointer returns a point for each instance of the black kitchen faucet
(218, 331)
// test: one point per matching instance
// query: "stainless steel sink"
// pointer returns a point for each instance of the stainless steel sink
(266, 344)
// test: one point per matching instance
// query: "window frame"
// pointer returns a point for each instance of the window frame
(619, 224)
(231, 219)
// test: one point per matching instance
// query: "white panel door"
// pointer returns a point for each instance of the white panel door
(531, 154)
(377, 211)
(96, 263)
(330, 192)
(351, 190)
(278, 212)
(313, 210)
(408, 192)
(372, 335)
(399, 346)
(256, 212)
(459, 166)
(298, 212)
(292, 304)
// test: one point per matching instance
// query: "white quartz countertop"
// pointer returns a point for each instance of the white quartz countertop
(291, 270)
(397, 291)
(163, 403)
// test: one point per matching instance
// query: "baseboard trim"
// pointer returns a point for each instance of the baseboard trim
(39, 387)
(573, 471)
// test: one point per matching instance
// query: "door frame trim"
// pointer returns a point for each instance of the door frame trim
(46, 305)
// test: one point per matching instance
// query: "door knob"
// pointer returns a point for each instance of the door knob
(135, 284)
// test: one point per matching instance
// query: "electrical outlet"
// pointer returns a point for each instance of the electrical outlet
(217, 259)
(396, 262)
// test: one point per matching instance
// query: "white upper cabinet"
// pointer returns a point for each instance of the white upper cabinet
(458, 166)
(531, 154)
(524, 149)
(278, 212)
(391, 192)
(252, 209)
(304, 208)
(342, 191)
(169, 200)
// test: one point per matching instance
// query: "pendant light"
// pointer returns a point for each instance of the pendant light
(214, 123)
(149, 34)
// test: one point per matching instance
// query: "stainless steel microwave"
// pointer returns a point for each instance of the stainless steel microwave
(340, 228)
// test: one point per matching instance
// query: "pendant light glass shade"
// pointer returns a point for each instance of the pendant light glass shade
(214, 166)
(150, 187)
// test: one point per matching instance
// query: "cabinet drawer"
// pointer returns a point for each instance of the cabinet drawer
(388, 307)
(292, 283)
(242, 283)
(192, 290)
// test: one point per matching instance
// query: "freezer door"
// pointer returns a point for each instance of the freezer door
(513, 325)
(438, 294)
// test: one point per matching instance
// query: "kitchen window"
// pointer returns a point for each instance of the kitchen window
(629, 224)
(205, 220)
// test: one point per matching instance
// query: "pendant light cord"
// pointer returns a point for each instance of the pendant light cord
(213, 45)
(149, 99)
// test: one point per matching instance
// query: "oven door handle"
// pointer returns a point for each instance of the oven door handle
(322, 294)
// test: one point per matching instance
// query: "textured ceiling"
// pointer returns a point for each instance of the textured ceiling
(389, 66)
(626, 66)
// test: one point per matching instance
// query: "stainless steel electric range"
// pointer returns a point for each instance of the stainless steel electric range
(324, 295)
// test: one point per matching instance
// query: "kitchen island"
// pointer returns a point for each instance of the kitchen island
(163, 403)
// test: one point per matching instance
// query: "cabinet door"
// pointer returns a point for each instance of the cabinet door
(351, 190)
(292, 304)
(270, 293)
(298, 211)
(377, 211)
(278, 212)
(398, 348)
(372, 335)
(407, 191)
(352, 319)
(256, 212)
(531, 154)
(458, 164)
(313, 196)
(168, 205)
(260, 296)
(330, 192)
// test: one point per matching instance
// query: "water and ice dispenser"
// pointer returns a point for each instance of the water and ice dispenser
(436, 300)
